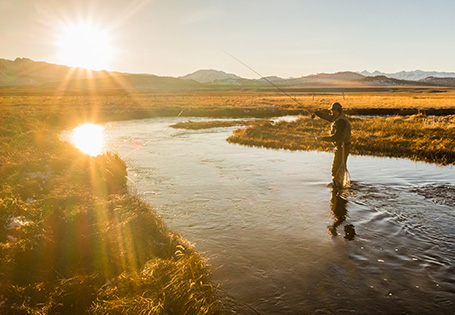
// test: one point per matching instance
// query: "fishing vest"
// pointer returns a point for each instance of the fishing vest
(346, 137)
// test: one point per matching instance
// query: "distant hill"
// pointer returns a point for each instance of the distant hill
(23, 72)
(339, 76)
(439, 81)
(211, 76)
(415, 75)
(221, 78)
(26, 73)
(12, 80)
(142, 82)
(385, 81)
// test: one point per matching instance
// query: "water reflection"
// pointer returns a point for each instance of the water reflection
(338, 202)
(88, 138)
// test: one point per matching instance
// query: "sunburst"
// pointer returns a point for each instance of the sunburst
(85, 45)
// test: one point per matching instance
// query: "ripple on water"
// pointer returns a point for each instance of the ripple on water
(265, 219)
(443, 194)
(407, 245)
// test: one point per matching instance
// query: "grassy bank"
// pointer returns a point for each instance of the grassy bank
(416, 137)
(74, 241)
(196, 125)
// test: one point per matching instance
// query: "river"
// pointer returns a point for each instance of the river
(274, 232)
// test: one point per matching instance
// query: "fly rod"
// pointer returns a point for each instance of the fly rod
(270, 82)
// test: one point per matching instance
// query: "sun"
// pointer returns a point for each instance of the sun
(88, 138)
(84, 45)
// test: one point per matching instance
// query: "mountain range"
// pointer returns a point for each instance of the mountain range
(24, 73)
(415, 75)
(346, 78)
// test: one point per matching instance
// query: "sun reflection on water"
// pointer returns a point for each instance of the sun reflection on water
(88, 138)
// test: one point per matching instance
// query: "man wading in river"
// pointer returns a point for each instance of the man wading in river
(340, 135)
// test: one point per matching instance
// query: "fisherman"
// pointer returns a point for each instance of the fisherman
(340, 135)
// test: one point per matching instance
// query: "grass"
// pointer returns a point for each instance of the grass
(81, 243)
(73, 240)
(196, 125)
(416, 137)
(114, 105)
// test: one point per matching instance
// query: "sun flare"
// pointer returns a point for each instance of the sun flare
(85, 45)
(89, 138)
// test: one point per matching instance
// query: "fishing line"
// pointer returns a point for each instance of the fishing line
(270, 82)
(250, 68)
(257, 73)
(178, 115)
(343, 177)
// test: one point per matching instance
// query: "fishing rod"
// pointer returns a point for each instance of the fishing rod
(178, 115)
(312, 113)
(270, 82)
(342, 175)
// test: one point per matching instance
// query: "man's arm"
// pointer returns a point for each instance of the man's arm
(324, 114)
(340, 124)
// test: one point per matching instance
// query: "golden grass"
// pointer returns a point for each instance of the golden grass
(204, 100)
(196, 125)
(417, 137)
(74, 241)
(77, 108)
(83, 244)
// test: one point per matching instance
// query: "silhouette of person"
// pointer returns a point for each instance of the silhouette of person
(339, 212)
(340, 136)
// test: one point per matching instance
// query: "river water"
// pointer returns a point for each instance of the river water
(279, 241)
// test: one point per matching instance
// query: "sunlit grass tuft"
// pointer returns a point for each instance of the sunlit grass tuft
(196, 125)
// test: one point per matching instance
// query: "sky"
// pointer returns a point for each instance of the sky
(286, 38)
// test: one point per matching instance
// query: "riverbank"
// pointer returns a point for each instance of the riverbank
(416, 137)
(73, 240)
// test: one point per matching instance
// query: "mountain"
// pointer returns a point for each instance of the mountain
(26, 73)
(217, 77)
(339, 76)
(12, 80)
(23, 72)
(415, 75)
(141, 82)
(211, 76)
(382, 80)
(274, 79)
(439, 81)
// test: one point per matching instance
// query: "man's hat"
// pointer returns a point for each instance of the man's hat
(335, 105)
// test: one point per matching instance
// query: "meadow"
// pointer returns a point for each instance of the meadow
(73, 239)
(95, 106)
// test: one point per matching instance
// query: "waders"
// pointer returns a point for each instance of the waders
(342, 179)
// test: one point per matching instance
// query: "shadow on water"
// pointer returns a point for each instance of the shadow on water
(338, 206)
